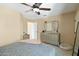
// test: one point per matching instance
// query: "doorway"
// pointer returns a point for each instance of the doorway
(32, 29)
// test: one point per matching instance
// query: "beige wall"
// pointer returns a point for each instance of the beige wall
(11, 28)
(77, 15)
(67, 27)
(24, 20)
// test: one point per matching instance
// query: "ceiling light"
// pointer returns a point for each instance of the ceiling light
(36, 10)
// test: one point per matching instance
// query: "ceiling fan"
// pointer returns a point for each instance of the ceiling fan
(36, 7)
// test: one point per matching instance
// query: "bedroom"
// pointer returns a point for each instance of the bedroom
(14, 19)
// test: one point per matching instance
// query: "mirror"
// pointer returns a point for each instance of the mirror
(51, 26)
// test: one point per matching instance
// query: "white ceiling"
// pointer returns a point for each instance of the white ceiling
(56, 9)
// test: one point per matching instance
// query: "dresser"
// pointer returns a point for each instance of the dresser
(51, 38)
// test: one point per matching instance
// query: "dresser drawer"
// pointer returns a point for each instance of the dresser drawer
(52, 38)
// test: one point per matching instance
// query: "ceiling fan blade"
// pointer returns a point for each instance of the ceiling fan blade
(46, 9)
(26, 4)
(29, 10)
(37, 5)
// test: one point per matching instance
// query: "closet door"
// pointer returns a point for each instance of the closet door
(76, 42)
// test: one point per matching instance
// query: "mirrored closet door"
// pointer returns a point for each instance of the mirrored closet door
(76, 41)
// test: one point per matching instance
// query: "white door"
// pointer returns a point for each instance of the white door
(32, 30)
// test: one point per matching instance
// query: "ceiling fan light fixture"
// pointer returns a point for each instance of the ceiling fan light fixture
(36, 10)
